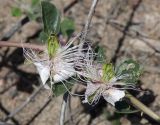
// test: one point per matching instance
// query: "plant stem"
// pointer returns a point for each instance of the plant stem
(21, 45)
(136, 103)
(89, 18)
(63, 108)
(24, 104)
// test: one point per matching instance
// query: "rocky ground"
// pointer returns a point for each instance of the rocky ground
(125, 28)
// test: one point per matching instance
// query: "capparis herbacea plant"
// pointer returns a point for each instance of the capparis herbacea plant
(109, 82)
(58, 63)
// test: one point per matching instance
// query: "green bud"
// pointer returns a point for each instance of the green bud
(53, 45)
(108, 72)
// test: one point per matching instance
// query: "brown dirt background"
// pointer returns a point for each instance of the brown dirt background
(126, 28)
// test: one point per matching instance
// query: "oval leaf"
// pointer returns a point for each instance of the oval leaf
(50, 17)
(43, 37)
(59, 88)
(130, 69)
(101, 57)
(16, 12)
(124, 108)
(67, 27)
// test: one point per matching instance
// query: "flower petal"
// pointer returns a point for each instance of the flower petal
(44, 71)
(63, 75)
(91, 90)
(113, 95)
(46, 86)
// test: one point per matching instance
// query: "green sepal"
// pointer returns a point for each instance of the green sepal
(91, 97)
(108, 72)
(53, 45)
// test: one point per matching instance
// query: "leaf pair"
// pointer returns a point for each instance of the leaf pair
(52, 20)
(130, 70)
(53, 25)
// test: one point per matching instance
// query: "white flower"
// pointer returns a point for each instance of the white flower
(61, 66)
(94, 91)
(102, 82)
(43, 70)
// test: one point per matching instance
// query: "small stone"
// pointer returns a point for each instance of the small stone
(144, 121)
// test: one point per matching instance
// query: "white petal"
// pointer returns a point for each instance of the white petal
(46, 86)
(113, 95)
(91, 89)
(44, 72)
(63, 75)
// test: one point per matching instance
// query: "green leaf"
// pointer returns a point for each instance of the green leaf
(67, 27)
(130, 70)
(108, 72)
(101, 57)
(16, 12)
(35, 2)
(34, 12)
(53, 45)
(31, 15)
(43, 37)
(50, 17)
(116, 122)
(91, 97)
(59, 88)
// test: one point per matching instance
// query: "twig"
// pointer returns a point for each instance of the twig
(19, 24)
(20, 45)
(131, 32)
(89, 18)
(69, 111)
(126, 28)
(18, 109)
(70, 5)
(5, 111)
(152, 69)
(25, 20)
(75, 113)
(15, 28)
(115, 11)
(134, 34)
(40, 110)
(4, 123)
(63, 108)
(144, 108)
